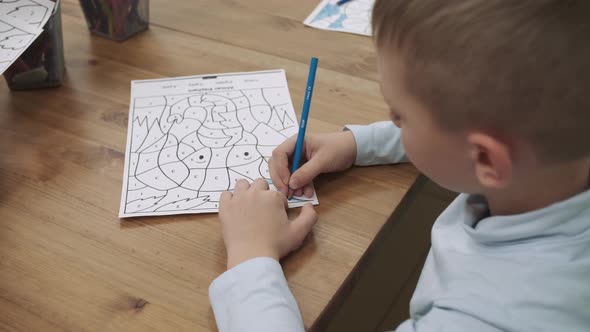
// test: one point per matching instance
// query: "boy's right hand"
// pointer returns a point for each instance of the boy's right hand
(322, 153)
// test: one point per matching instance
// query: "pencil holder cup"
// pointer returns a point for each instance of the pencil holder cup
(116, 19)
(42, 64)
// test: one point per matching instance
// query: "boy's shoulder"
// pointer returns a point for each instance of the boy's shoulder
(527, 269)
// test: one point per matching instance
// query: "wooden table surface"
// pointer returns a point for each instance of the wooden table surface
(68, 263)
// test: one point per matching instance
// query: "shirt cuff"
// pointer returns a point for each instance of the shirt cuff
(377, 143)
(254, 296)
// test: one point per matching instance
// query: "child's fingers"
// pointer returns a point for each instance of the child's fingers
(302, 225)
(306, 173)
(298, 192)
(259, 184)
(241, 186)
(280, 163)
(289, 193)
(224, 203)
(288, 146)
(308, 191)
(225, 196)
(276, 178)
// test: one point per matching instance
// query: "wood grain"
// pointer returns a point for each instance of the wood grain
(67, 263)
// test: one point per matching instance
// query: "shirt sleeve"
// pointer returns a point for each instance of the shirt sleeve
(447, 320)
(378, 143)
(254, 296)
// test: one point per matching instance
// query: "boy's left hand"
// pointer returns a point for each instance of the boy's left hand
(255, 223)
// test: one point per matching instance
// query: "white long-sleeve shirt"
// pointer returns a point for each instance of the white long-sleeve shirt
(525, 272)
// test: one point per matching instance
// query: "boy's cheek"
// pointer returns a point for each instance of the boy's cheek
(407, 144)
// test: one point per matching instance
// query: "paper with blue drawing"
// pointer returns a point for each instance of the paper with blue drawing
(191, 138)
(352, 17)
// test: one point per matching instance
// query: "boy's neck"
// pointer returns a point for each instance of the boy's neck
(544, 188)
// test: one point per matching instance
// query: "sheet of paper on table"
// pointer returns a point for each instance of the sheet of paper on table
(191, 138)
(352, 17)
(15, 37)
(34, 12)
(21, 22)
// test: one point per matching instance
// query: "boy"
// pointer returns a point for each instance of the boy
(488, 98)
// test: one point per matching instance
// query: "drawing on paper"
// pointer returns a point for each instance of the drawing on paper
(185, 149)
(352, 17)
(15, 38)
(34, 12)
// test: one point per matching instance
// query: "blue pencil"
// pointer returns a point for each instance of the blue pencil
(341, 2)
(304, 114)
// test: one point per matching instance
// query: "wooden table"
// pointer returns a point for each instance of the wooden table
(67, 263)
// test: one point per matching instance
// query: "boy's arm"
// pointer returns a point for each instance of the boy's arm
(254, 296)
(378, 143)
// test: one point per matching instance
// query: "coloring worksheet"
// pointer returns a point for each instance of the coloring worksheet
(191, 138)
(34, 12)
(353, 16)
(15, 38)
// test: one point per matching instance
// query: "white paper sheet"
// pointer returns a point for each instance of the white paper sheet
(191, 138)
(15, 38)
(351, 17)
(34, 12)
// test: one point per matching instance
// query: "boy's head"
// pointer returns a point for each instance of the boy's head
(502, 82)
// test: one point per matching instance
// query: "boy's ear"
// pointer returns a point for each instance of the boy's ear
(492, 160)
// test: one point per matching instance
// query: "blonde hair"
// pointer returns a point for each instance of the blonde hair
(519, 68)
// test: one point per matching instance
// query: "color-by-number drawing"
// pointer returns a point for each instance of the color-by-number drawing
(34, 12)
(15, 38)
(192, 138)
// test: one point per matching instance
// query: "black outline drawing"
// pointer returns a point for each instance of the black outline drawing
(232, 131)
(15, 38)
(35, 12)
